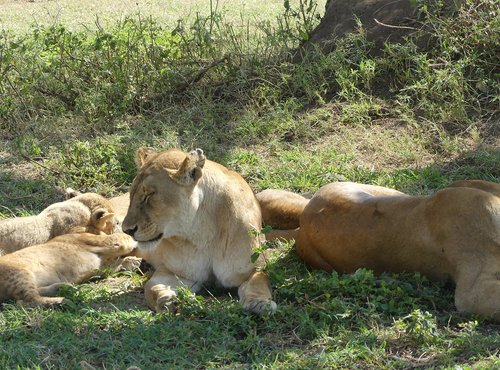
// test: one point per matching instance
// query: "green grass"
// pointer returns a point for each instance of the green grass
(76, 102)
(78, 14)
(324, 320)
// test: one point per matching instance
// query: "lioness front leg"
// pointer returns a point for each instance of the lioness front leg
(255, 294)
(161, 290)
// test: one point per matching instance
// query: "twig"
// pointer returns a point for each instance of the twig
(199, 75)
(11, 212)
(41, 165)
(65, 99)
(17, 93)
(437, 65)
(392, 26)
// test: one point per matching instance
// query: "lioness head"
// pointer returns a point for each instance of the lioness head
(163, 197)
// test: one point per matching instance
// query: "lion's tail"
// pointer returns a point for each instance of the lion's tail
(291, 234)
(281, 210)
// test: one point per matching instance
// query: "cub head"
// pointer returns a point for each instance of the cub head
(102, 215)
(164, 196)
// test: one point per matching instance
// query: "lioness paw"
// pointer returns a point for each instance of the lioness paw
(163, 298)
(166, 303)
(261, 306)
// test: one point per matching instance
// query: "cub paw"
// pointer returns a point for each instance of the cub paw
(123, 243)
(53, 301)
(130, 264)
(41, 301)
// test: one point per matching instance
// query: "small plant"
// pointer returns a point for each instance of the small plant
(189, 303)
(299, 21)
(257, 252)
(421, 326)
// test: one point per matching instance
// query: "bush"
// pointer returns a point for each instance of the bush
(139, 66)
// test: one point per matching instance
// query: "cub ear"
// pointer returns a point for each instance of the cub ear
(70, 193)
(191, 169)
(142, 155)
(101, 219)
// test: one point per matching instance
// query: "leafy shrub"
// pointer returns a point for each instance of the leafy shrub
(139, 67)
(91, 166)
(98, 75)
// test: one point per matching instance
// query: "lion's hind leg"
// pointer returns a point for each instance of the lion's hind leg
(23, 288)
(255, 294)
(479, 293)
(50, 290)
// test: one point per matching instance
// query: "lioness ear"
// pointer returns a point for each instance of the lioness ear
(70, 193)
(191, 169)
(142, 155)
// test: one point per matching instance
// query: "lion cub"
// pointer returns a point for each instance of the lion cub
(34, 274)
(88, 212)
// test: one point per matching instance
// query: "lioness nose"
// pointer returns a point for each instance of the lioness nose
(130, 232)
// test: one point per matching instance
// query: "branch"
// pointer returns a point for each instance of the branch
(199, 75)
(392, 26)
(41, 165)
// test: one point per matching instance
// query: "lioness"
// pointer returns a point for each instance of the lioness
(88, 212)
(120, 204)
(34, 274)
(454, 233)
(193, 219)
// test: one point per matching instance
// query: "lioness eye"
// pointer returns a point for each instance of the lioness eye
(146, 197)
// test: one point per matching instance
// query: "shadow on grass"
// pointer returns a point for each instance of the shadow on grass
(24, 196)
(321, 315)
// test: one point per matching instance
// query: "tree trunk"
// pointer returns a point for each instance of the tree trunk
(381, 20)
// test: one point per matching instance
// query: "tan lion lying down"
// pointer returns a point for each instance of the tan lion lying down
(454, 233)
(34, 274)
(82, 213)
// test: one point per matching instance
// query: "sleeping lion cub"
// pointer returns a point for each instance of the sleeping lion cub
(88, 212)
(34, 274)
(454, 233)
